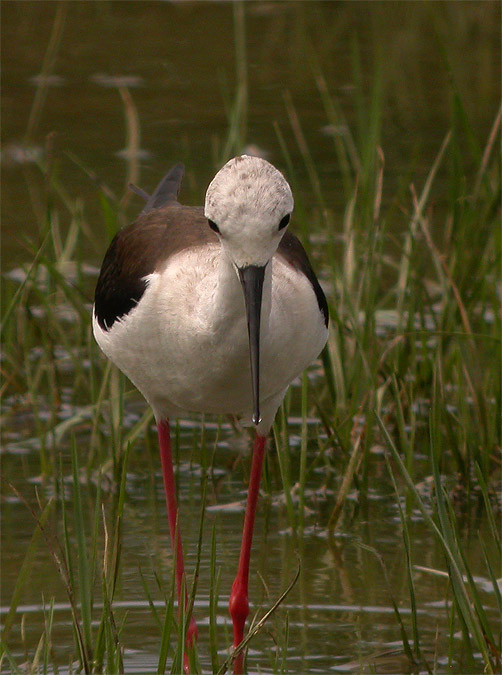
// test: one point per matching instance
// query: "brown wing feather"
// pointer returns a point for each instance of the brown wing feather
(138, 250)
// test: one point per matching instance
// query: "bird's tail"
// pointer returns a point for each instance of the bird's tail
(165, 192)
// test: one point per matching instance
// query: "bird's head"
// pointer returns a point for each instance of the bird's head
(249, 204)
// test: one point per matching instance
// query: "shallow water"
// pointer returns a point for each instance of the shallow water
(339, 613)
(177, 61)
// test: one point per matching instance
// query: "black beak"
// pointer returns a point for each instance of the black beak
(252, 283)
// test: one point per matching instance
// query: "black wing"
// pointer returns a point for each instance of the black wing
(292, 251)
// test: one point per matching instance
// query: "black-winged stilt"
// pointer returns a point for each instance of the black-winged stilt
(213, 310)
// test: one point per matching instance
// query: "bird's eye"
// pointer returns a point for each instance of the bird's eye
(284, 221)
(213, 226)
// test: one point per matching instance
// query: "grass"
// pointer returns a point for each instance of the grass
(411, 373)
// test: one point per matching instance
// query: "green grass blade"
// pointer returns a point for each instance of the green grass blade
(443, 533)
(409, 565)
(213, 606)
(404, 637)
(25, 569)
(303, 456)
(165, 638)
(84, 571)
(284, 467)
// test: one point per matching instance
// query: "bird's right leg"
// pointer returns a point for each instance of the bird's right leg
(174, 525)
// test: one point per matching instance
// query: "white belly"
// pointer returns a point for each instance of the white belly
(185, 345)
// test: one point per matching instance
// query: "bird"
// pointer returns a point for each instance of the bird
(212, 309)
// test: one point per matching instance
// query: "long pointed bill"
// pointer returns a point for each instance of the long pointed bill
(252, 283)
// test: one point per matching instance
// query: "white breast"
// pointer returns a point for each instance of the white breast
(185, 345)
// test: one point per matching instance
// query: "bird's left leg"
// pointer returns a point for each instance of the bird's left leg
(239, 605)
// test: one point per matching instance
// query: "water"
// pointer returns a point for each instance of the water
(181, 74)
(177, 61)
(339, 612)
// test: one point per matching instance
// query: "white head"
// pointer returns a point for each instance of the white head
(248, 203)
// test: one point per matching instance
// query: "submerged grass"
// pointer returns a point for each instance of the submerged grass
(413, 362)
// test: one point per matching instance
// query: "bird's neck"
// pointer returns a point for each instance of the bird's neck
(229, 296)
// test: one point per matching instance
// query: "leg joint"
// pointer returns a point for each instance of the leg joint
(239, 606)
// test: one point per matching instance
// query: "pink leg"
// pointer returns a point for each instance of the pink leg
(174, 527)
(239, 605)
